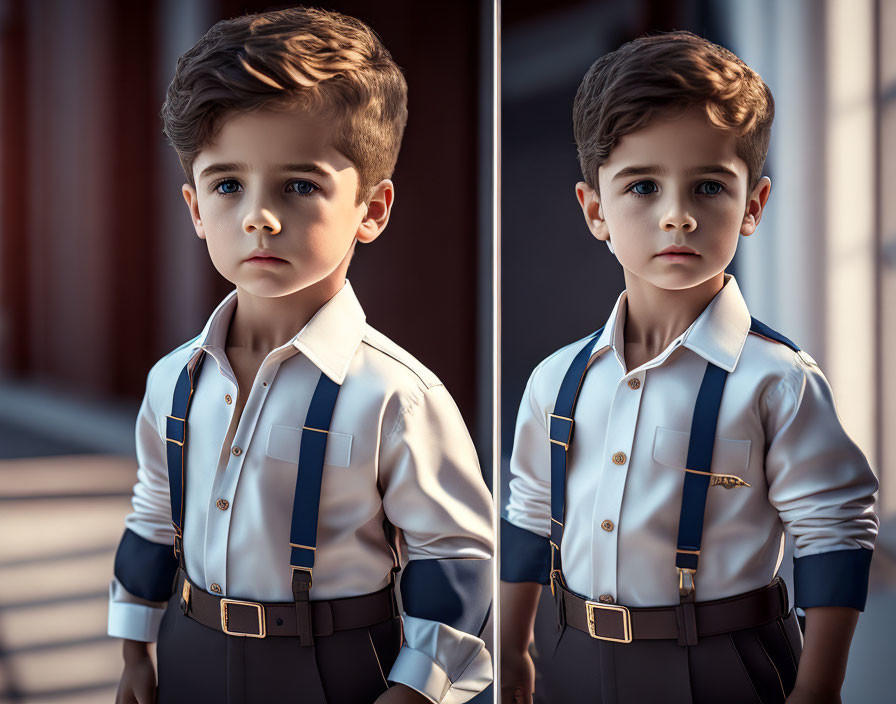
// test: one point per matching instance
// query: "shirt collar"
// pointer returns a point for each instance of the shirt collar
(330, 339)
(718, 334)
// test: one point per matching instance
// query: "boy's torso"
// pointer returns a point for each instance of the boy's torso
(242, 454)
(627, 461)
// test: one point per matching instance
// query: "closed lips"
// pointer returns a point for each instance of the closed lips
(678, 250)
(265, 256)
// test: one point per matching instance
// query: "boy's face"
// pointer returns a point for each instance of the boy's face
(676, 184)
(275, 202)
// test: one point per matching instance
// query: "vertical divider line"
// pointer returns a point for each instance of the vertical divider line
(496, 333)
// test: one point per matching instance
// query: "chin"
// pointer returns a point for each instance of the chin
(677, 283)
(269, 289)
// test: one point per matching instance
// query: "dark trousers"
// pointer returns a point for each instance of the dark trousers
(198, 664)
(751, 666)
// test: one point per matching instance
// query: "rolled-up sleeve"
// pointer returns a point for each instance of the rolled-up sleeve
(144, 562)
(525, 548)
(823, 488)
(434, 493)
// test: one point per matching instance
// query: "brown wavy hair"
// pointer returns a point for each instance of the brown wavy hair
(627, 88)
(299, 57)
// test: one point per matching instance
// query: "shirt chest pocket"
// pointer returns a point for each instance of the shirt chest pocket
(283, 444)
(729, 457)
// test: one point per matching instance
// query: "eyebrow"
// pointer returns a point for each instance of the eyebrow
(310, 167)
(643, 170)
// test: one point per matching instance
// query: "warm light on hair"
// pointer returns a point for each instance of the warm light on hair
(627, 88)
(300, 57)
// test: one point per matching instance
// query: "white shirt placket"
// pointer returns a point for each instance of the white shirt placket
(220, 497)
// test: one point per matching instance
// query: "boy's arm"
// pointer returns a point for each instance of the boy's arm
(433, 492)
(519, 603)
(144, 562)
(829, 631)
(823, 488)
(525, 548)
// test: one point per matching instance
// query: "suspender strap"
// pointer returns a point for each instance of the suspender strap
(306, 503)
(693, 498)
(175, 439)
(561, 427)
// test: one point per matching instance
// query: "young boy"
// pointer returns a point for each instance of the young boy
(310, 447)
(657, 463)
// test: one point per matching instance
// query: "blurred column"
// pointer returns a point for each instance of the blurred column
(185, 277)
(13, 176)
(848, 206)
(67, 212)
(886, 190)
(781, 267)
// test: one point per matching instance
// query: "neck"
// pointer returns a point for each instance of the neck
(261, 324)
(656, 316)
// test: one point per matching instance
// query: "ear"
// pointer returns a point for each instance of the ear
(379, 207)
(193, 206)
(590, 203)
(755, 206)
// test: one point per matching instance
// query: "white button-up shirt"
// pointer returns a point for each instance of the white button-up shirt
(777, 430)
(397, 449)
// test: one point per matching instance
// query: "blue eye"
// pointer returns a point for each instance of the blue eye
(227, 187)
(638, 188)
(712, 188)
(303, 188)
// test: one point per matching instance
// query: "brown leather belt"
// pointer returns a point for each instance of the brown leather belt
(254, 619)
(623, 624)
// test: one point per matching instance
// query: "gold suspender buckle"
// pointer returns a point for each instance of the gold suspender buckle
(225, 603)
(564, 445)
(176, 442)
(614, 612)
(686, 579)
(554, 574)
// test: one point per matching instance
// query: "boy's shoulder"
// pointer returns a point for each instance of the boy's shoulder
(163, 375)
(773, 352)
(392, 365)
(548, 374)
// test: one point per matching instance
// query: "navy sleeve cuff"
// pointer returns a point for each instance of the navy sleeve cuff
(837, 578)
(453, 591)
(525, 556)
(144, 568)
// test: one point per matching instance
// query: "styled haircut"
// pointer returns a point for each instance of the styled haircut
(312, 59)
(627, 88)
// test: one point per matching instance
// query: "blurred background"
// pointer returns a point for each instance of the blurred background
(101, 275)
(821, 268)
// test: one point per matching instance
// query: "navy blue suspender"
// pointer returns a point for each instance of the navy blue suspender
(697, 476)
(306, 501)
(175, 440)
(561, 427)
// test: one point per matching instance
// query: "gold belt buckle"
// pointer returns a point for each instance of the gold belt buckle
(261, 624)
(592, 606)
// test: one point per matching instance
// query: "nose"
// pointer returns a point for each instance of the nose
(260, 218)
(677, 217)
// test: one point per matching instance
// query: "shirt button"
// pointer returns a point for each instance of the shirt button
(237, 451)
(619, 458)
(264, 383)
(606, 599)
(228, 399)
(216, 588)
(634, 383)
(222, 504)
(607, 525)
